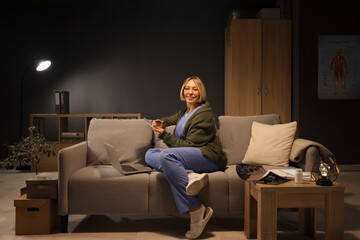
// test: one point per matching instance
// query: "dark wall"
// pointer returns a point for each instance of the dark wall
(133, 55)
(3, 119)
(334, 123)
(113, 56)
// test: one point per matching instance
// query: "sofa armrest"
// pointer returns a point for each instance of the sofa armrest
(70, 159)
(305, 152)
(308, 160)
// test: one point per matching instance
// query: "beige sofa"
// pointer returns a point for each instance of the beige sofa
(89, 185)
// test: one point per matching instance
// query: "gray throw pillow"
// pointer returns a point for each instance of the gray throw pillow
(131, 136)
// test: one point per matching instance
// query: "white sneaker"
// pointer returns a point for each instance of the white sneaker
(196, 183)
(197, 228)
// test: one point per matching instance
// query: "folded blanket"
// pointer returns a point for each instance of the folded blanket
(300, 146)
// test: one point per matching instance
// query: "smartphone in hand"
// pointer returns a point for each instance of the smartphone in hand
(159, 123)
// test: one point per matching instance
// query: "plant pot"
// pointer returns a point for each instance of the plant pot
(23, 167)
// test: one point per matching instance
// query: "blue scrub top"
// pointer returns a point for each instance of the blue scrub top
(179, 131)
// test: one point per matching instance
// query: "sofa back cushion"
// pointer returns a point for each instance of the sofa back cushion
(235, 132)
(131, 136)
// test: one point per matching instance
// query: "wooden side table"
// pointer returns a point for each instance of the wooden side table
(262, 201)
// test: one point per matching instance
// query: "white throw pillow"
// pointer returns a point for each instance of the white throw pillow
(270, 144)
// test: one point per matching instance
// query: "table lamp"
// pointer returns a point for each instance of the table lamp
(325, 172)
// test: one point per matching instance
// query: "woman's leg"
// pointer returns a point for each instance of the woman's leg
(176, 163)
(152, 158)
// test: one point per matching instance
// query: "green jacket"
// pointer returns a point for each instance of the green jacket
(199, 131)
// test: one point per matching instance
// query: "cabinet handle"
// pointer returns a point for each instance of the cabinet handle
(266, 91)
(258, 91)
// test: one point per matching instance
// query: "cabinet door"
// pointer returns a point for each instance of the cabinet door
(243, 63)
(277, 68)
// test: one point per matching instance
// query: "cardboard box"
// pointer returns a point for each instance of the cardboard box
(285, 8)
(269, 13)
(34, 216)
(44, 185)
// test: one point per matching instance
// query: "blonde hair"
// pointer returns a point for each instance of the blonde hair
(200, 86)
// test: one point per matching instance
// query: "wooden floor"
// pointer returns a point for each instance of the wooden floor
(168, 227)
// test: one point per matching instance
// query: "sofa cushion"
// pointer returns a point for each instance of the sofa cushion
(161, 199)
(102, 189)
(214, 194)
(235, 132)
(270, 144)
(131, 136)
(236, 190)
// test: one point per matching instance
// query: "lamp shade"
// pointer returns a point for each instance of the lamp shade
(43, 65)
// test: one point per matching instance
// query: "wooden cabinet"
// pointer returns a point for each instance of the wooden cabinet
(39, 121)
(258, 67)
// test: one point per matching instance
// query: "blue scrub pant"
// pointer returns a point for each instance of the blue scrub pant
(176, 163)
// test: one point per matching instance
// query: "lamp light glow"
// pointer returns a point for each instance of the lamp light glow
(43, 65)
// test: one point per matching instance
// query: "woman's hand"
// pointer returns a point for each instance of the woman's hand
(157, 126)
(157, 123)
(157, 130)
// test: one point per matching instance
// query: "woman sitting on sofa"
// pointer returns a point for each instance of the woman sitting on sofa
(194, 150)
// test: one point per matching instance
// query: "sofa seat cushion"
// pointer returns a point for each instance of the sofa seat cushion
(235, 132)
(133, 137)
(160, 197)
(102, 189)
(236, 190)
(215, 194)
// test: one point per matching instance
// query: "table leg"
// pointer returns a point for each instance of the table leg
(334, 215)
(307, 221)
(250, 213)
(267, 215)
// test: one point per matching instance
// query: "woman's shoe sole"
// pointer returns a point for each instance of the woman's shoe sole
(197, 185)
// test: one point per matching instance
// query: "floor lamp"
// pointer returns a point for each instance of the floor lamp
(41, 65)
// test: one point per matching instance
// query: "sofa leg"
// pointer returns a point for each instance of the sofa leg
(64, 223)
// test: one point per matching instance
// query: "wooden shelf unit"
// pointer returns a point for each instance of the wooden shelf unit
(50, 164)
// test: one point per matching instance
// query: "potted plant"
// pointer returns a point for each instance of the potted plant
(29, 151)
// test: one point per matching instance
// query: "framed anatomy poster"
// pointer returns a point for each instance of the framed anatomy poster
(339, 67)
